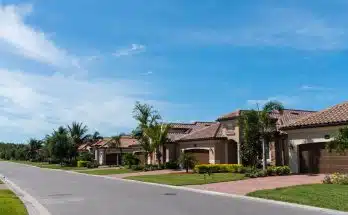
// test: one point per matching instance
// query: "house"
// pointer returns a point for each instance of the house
(106, 154)
(306, 139)
(277, 149)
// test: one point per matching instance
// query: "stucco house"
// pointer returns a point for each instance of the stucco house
(306, 139)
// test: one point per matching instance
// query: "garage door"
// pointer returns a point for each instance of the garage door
(314, 158)
(202, 155)
(111, 159)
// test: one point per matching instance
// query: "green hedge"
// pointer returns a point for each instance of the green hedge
(215, 168)
(82, 163)
(278, 170)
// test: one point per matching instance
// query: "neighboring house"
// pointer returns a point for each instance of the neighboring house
(278, 149)
(106, 154)
(307, 138)
(203, 139)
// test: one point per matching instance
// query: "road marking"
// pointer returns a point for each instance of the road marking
(32, 205)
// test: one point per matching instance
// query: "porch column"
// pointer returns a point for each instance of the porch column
(167, 155)
(226, 151)
(117, 159)
(238, 153)
(211, 156)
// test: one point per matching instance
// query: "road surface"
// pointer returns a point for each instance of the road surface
(63, 193)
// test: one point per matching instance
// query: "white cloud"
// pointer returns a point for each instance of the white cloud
(19, 38)
(134, 49)
(314, 88)
(35, 104)
(278, 27)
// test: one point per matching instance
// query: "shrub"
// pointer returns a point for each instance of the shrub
(92, 164)
(82, 163)
(151, 167)
(278, 170)
(85, 156)
(336, 178)
(130, 159)
(187, 160)
(137, 167)
(215, 168)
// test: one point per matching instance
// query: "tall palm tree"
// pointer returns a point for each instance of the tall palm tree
(78, 133)
(34, 146)
(268, 126)
(147, 117)
(96, 137)
(157, 135)
(116, 143)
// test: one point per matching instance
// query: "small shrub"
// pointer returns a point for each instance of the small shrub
(327, 180)
(82, 163)
(85, 156)
(130, 159)
(171, 165)
(336, 178)
(92, 164)
(137, 167)
(187, 160)
(151, 167)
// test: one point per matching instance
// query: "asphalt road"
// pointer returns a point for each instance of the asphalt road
(64, 193)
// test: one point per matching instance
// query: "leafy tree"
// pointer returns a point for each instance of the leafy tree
(251, 146)
(34, 146)
(147, 117)
(62, 144)
(340, 141)
(187, 160)
(157, 135)
(258, 129)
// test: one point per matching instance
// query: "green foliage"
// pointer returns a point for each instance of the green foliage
(92, 164)
(340, 142)
(82, 163)
(130, 160)
(137, 167)
(336, 178)
(171, 165)
(278, 170)
(187, 161)
(11, 151)
(253, 172)
(85, 156)
(216, 168)
(147, 117)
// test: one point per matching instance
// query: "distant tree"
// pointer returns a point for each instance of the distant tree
(62, 144)
(340, 141)
(147, 117)
(157, 135)
(96, 137)
(34, 146)
(79, 135)
(187, 161)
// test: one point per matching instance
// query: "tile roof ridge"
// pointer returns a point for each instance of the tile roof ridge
(201, 129)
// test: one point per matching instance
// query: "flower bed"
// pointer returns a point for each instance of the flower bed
(336, 178)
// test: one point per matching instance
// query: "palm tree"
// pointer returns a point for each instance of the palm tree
(116, 143)
(34, 146)
(61, 144)
(146, 117)
(78, 132)
(96, 137)
(157, 135)
(268, 126)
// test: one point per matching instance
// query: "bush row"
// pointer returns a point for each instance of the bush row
(88, 164)
(215, 168)
(151, 167)
(270, 171)
(336, 178)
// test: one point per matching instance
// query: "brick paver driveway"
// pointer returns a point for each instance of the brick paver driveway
(249, 185)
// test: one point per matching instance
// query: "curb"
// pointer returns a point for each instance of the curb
(32, 205)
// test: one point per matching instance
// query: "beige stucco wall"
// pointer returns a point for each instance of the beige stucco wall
(220, 151)
(302, 136)
(226, 125)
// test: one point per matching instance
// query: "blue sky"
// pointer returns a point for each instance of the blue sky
(193, 60)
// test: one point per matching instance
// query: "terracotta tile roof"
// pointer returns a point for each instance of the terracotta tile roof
(289, 116)
(208, 132)
(178, 130)
(231, 115)
(336, 115)
(126, 141)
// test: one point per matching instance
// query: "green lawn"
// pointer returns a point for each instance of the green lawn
(319, 195)
(10, 204)
(179, 179)
(106, 171)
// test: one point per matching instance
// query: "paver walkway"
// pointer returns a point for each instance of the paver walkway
(249, 185)
(157, 172)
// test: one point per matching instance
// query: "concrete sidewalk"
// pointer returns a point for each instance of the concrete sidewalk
(156, 172)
